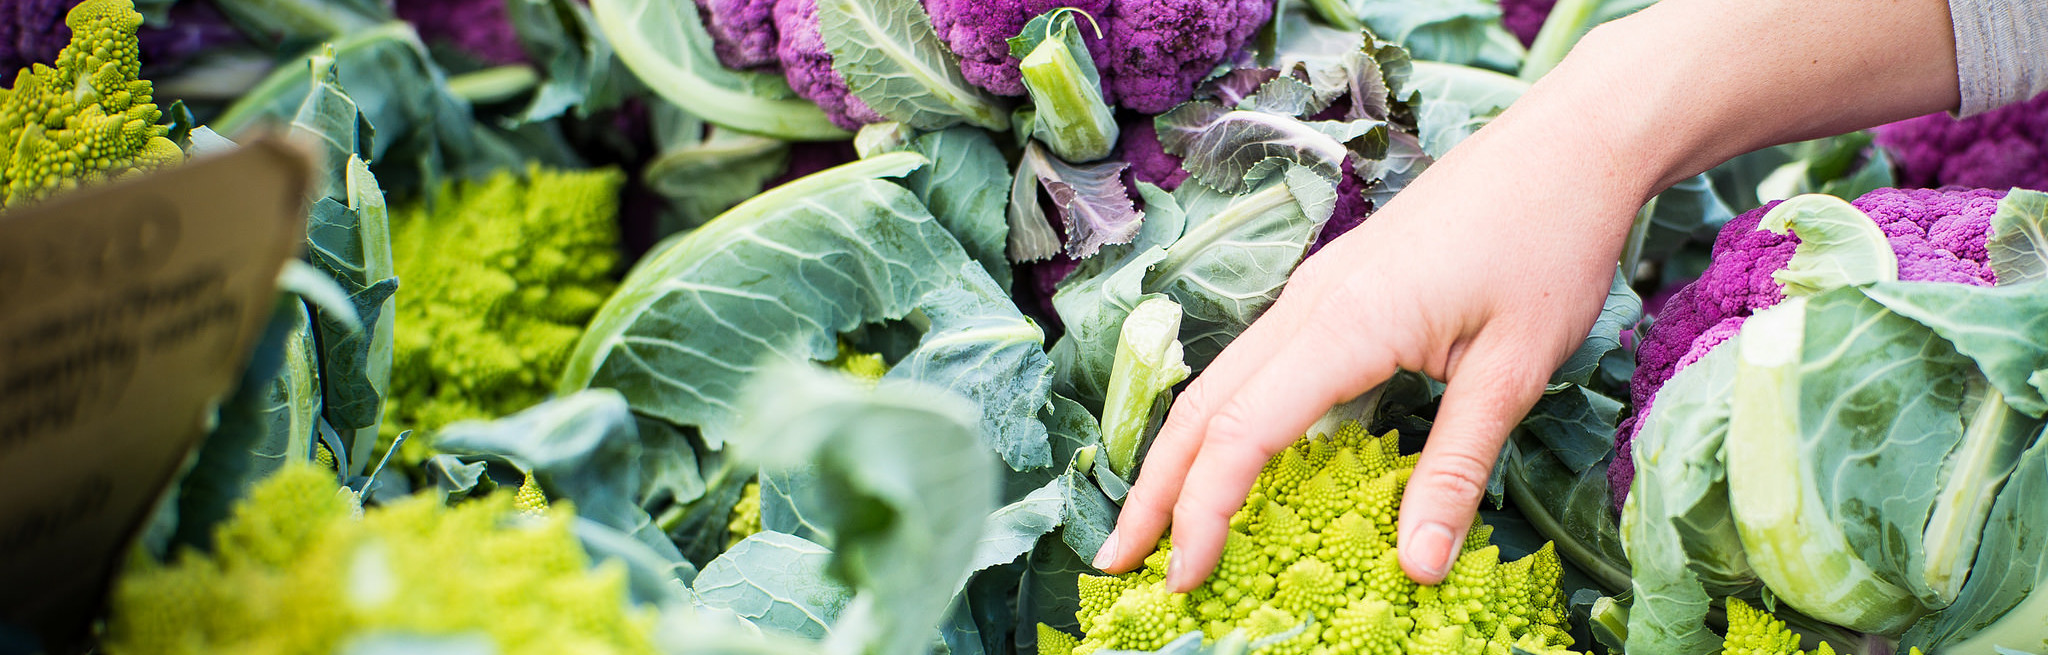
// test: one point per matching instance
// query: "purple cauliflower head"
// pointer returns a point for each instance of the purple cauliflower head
(194, 28)
(1152, 53)
(979, 32)
(1351, 211)
(1138, 145)
(1160, 49)
(2003, 148)
(807, 64)
(742, 32)
(1524, 18)
(31, 31)
(478, 28)
(1938, 236)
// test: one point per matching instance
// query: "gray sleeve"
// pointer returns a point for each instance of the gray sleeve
(2001, 51)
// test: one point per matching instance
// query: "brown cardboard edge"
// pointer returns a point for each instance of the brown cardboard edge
(299, 158)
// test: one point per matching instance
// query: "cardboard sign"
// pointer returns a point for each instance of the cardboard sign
(127, 313)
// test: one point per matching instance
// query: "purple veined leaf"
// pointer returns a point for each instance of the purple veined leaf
(1287, 96)
(1233, 87)
(1388, 175)
(1368, 86)
(1031, 235)
(1231, 150)
(1091, 199)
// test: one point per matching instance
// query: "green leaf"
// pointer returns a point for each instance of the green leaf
(705, 178)
(431, 133)
(2003, 608)
(665, 44)
(964, 188)
(1456, 31)
(1236, 254)
(902, 482)
(781, 276)
(776, 582)
(582, 446)
(563, 38)
(1096, 297)
(2019, 238)
(1573, 510)
(1839, 245)
(1013, 530)
(1576, 425)
(280, 25)
(1621, 312)
(1031, 235)
(894, 61)
(2004, 329)
(1676, 523)
(1842, 379)
(1455, 101)
(1233, 150)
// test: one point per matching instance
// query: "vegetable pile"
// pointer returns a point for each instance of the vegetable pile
(1310, 567)
(844, 326)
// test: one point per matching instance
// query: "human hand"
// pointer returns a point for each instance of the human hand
(1487, 273)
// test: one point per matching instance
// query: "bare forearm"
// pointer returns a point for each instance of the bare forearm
(1687, 84)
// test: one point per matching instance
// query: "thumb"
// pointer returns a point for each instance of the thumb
(1485, 398)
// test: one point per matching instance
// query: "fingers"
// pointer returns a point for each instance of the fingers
(1486, 397)
(1269, 411)
(1149, 505)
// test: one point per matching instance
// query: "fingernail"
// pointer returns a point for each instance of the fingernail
(1175, 573)
(1431, 547)
(1107, 553)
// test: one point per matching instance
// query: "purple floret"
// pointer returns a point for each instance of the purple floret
(1938, 236)
(194, 28)
(1352, 209)
(1162, 48)
(808, 65)
(979, 32)
(478, 28)
(1999, 149)
(1152, 53)
(1138, 145)
(1525, 18)
(742, 31)
(31, 31)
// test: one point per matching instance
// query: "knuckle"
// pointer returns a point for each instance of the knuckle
(1189, 511)
(1231, 427)
(1458, 474)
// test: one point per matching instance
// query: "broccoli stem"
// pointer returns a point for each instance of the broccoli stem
(1072, 117)
(1148, 363)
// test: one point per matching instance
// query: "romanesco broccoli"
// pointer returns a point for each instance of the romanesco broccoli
(87, 119)
(503, 274)
(530, 499)
(746, 515)
(1752, 631)
(1312, 554)
(295, 571)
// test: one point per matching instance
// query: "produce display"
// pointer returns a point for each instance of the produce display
(844, 326)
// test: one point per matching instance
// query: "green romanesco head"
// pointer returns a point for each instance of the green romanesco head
(1313, 553)
(746, 515)
(530, 499)
(1752, 631)
(866, 367)
(297, 571)
(87, 118)
(499, 278)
